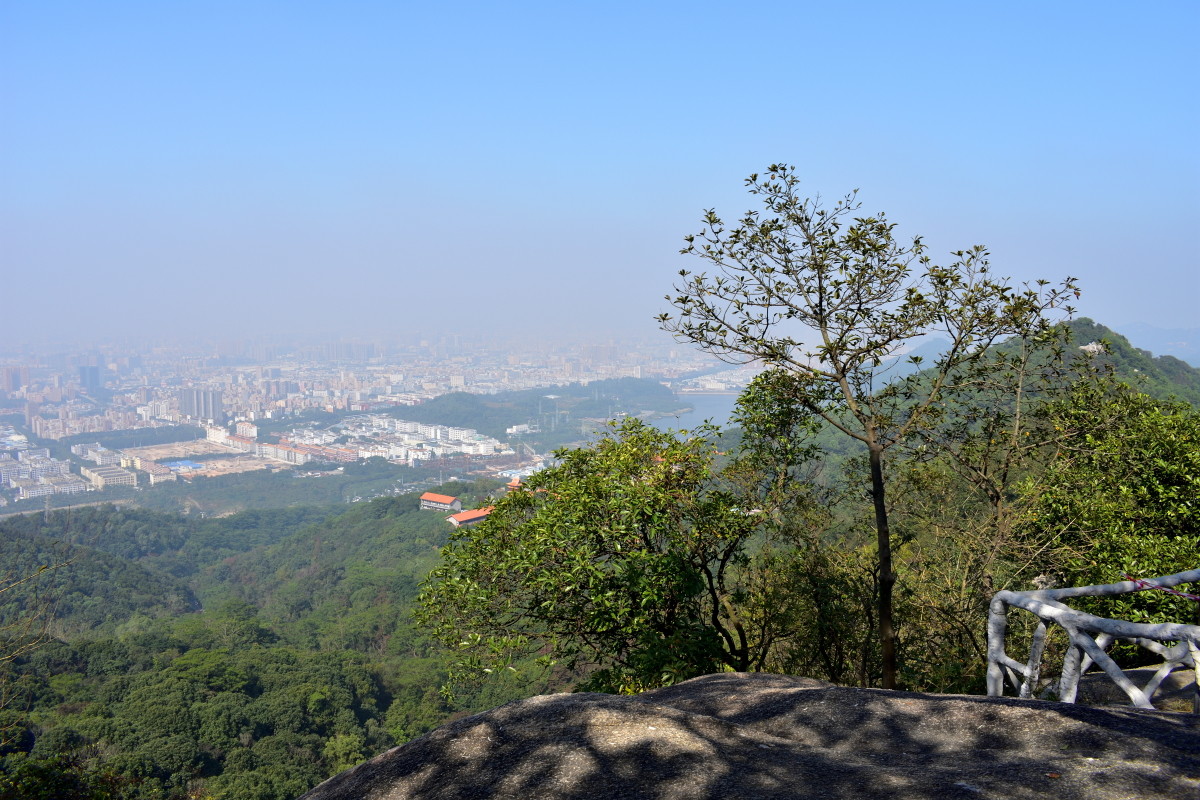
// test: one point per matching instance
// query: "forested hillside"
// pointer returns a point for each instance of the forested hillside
(245, 657)
(1161, 377)
(556, 409)
(92, 592)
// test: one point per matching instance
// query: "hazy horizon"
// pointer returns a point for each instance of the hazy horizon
(233, 171)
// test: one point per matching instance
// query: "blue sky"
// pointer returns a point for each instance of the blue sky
(369, 168)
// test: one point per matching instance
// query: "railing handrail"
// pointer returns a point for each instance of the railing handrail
(1047, 606)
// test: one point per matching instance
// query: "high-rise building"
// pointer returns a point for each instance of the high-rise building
(13, 378)
(202, 404)
(89, 378)
(10, 378)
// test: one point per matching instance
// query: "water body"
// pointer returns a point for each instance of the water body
(715, 408)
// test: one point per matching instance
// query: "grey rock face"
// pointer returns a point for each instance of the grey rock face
(1175, 693)
(770, 736)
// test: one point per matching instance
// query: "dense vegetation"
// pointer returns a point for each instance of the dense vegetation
(90, 594)
(282, 488)
(1162, 377)
(615, 561)
(636, 561)
(247, 657)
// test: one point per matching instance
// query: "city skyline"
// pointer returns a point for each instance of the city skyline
(162, 414)
(386, 170)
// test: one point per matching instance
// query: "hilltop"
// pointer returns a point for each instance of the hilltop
(771, 736)
(1161, 377)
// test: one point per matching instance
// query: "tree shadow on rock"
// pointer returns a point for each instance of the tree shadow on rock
(770, 736)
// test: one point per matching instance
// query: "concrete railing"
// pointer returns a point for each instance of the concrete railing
(1090, 636)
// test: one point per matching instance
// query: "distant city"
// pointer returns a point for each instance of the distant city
(224, 394)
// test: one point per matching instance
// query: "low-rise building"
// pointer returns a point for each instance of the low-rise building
(157, 472)
(104, 476)
(66, 484)
(97, 453)
(431, 501)
(283, 452)
(27, 488)
(467, 519)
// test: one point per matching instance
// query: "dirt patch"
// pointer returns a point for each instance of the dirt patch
(234, 461)
(228, 466)
(176, 450)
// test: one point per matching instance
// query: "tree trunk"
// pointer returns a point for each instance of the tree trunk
(887, 578)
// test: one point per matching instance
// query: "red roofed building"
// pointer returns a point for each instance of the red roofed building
(465, 519)
(439, 502)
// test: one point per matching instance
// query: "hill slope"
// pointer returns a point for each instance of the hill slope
(1161, 377)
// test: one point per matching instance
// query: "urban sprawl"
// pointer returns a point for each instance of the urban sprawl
(230, 392)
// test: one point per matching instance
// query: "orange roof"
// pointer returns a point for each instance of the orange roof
(470, 516)
(438, 498)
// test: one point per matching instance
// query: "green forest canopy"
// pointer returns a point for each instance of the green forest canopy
(255, 654)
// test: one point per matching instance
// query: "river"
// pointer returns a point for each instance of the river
(716, 408)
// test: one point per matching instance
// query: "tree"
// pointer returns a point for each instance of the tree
(18, 637)
(961, 487)
(1121, 495)
(830, 298)
(804, 596)
(622, 561)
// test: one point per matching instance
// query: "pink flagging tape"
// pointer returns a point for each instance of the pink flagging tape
(1148, 585)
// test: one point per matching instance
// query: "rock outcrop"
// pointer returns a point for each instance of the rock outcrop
(770, 736)
(1176, 693)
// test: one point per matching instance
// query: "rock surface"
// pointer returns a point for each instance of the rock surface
(1175, 693)
(770, 736)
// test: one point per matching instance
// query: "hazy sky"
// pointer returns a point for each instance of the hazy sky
(377, 167)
